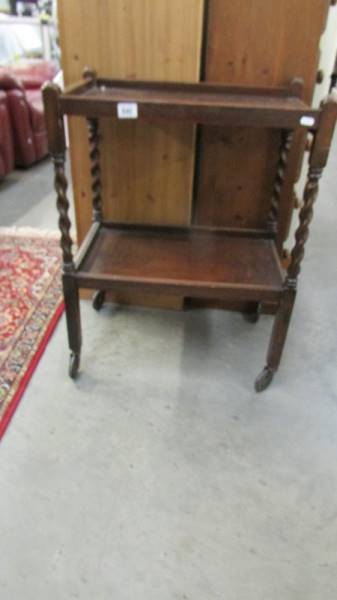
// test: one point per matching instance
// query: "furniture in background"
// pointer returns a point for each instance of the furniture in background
(180, 179)
(27, 119)
(33, 73)
(164, 45)
(6, 138)
(222, 262)
(22, 86)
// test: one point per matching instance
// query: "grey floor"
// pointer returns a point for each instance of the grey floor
(160, 474)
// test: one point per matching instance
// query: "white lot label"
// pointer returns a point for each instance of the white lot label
(127, 110)
(307, 121)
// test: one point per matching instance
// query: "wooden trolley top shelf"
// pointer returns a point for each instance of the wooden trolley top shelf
(202, 263)
(201, 103)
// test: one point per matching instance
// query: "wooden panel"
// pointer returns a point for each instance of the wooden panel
(154, 39)
(254, 42)
(148, 168)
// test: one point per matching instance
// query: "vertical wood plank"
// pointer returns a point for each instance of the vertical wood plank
(254, 42)
(147, 169)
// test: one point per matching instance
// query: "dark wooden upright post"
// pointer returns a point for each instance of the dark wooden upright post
(96, 185)
(253, 313)
(57, 148)
(295, 91)
(318, 159)
(95, 169)
(93, 128)
(286, 140)
(94, 154)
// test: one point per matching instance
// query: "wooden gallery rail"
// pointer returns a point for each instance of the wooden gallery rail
(223, 263)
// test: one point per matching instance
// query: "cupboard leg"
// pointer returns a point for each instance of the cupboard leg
(73, 318)
(278, 338)
(98, 299)
(252, 315)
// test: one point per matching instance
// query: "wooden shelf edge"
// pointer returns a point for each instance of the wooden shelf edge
(195, 289)
(128, 240)
(200, 229)
(196, 103)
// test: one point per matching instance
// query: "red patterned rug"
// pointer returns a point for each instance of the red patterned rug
(30, 306)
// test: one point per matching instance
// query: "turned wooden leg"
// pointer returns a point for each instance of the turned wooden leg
(277, 341)
(98, 299)
(273, 217)
(318, 159)
(73, 318)
(283, 316)
(95, 169)
(56, 144)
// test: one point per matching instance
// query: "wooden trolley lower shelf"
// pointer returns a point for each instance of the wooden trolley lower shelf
(188, 262)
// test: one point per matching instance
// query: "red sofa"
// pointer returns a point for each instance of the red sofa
(6, 138)
(27, 119)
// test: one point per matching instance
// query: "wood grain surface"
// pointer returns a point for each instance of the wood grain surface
(212, 263)
(254, 42)
(147, 169)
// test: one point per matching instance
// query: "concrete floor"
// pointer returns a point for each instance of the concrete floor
(159, 474)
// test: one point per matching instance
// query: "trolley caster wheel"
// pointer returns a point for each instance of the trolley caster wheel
(254, 315)
(98, 300)
(264, 379)
(74, 363)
